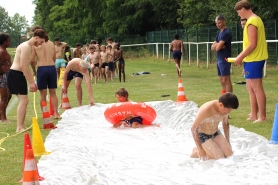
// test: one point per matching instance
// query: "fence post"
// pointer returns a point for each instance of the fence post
(156, 50)
(275, 28)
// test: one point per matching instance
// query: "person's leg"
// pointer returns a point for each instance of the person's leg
(106, 73)
(53, 96)
(21, 112)
(4, 99)
(43, 93)
(226, 83)
(66, 86)
(224, 145)
(253, 102)
(58, 73)
(123, 68)
(257, 86)
(212, 149)
(78, 87)
(96, 74)
(120, 71)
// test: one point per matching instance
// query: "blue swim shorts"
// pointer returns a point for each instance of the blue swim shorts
(223, 68)
(177, 54)
(60, 62)
(254, 69)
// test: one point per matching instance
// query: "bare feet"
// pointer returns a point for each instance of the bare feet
(5, 121)
(56, 116)
(20, 129)
(259, 120)
(251, 118)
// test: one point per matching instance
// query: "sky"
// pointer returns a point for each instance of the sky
(22, 7)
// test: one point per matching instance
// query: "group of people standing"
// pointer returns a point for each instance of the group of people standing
(210, 143)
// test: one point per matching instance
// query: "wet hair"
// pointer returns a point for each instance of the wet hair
(176, 36)
(78, 44)
(84, 64)
(242, 4)
(220, 18)
(117, 44)
(56, 39)
(3, 38)
(41, 33)
(229, 100)
(122, 92)
(109, 46)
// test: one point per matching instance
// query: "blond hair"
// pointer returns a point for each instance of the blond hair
(84, 64)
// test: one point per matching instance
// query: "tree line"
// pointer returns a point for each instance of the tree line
(126, 17)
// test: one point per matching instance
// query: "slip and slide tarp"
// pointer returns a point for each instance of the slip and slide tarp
(86, 150)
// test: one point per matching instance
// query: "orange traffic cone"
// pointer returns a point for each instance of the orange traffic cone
(47, 122)
(51, 110)
(28, 146)
(30, 174)
(65, 101)
(181, 94)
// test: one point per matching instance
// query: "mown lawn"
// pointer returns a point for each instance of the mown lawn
(200, 84)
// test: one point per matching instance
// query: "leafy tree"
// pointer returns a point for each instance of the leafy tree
(4, 20)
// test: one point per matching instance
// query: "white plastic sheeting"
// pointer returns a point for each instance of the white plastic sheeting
(87, 150)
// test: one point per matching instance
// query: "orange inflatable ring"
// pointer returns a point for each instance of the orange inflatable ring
(117, 112)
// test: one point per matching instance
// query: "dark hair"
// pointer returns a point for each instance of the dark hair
(92, 47)
(122, 92)
(220, 17)
(3, 38)
(56, 39)
(109, 46)
(41, 33)
(67, 48)
(229, 100)
(110, 39)
(99, 41)
(242, 4)
(36, 27)
(176, 36)
(78, 44)
(93, 41)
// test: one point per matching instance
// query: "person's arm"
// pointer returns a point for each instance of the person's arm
(64, 86)
(64, 44)
(32, 61)
(253, 38)
(171, 47)
(24, 65)
(194, 130)
(88, 82)
(182, 48)
(213, 46)
(226, 128)
(220, 45)
(54, 54)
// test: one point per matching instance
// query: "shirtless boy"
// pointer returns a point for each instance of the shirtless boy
(111, 55)
(177, 48)
(210, 142)
(20, 72)
(104, 62)
(46, 73)
(5, 64)
(78, 68)
(60, 62)
(94, 59)
(121, 62)
(77, 52)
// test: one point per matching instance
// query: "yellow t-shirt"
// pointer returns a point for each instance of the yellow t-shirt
(260, 52)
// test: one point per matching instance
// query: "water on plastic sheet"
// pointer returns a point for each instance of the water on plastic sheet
(86, 150)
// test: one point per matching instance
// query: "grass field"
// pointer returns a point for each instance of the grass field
(200, 84)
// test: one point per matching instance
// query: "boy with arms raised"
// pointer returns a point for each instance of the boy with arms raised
(210, 142)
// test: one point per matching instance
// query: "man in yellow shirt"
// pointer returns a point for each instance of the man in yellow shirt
(254, 55)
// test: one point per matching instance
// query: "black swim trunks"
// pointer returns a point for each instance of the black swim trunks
(17, 82)
(137, 119)
(204, 137)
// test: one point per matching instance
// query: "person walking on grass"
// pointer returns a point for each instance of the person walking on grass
(121, 62)
(178, 50)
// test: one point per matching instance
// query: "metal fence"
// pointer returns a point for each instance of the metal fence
(207, 34)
